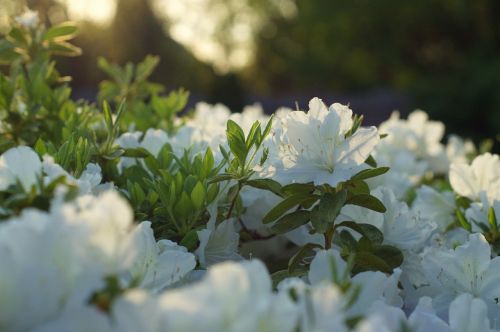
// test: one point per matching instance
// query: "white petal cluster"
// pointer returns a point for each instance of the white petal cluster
(313, 146)
(21, 165)
(53, 261)
(466, 269)
(481, 177)
(413, 148)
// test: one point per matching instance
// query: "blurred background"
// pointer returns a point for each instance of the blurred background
(442, 56)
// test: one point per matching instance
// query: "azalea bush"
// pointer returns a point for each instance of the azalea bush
(128, 215)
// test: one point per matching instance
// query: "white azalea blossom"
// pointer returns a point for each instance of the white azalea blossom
(458, 150)
(79, 318)
(482, 176)
(400, 226)
(156, 265)
(28, 19)
(137, 310)
(320, 307)
(417, 134)
(313, 147)
(88, 183)
(405, 170)
(218, 243)
(424, 318)
(22, 165)
(436, 206)
(478, 213)
(328, 266)
(232, 297)
(469, 314)
(467, 269)
(382, 318)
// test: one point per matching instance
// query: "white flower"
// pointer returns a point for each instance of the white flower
(313, 147)
(382, 318)
(88, 182)
(375, 287)
(436, 206)
(405, 169)
(77, 317)
(28, 19)
(154, 140)
(19, 164)
(424, 318)
(257, 203)
(468, 314)
(320, 306)
(232, 297)
(218, 244)
(209, 124)
(401, 227)
(135, 311)
(45, 261)
(247, 118)
(477, 213)
(327, 304)
(458, 149)
(467, 269)
(328, 266)
(417, 135)
(155, 265)
(481, 177)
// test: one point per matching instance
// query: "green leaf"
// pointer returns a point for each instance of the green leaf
(371, 161)
(236, 141)
(63, 48)
(190, 240)
(254, 135)
(492, 220)
(64, 31)
(358, 187)
(269, 125)
(208, 161)
(306, 251)
(346, 241)
(16, 35)
(462, 221)
(291, 221)
(281, 275)
(391, 255)
(198, 195)
(136, 153)
(7, 52)
(296, 188)
(369, 231)
(369, 261)
(40, 147)
(213, 190)
(108, 118)
(266, 184)
(370, 173)
(114, 155)
(118, 117)
(146, 68)
(284, 206)
(184, 207)
(328, 209)
(367, 201)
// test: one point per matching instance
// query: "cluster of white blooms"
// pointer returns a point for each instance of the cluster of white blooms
(85, 264)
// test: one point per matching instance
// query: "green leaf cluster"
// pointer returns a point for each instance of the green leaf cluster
(147, 108)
